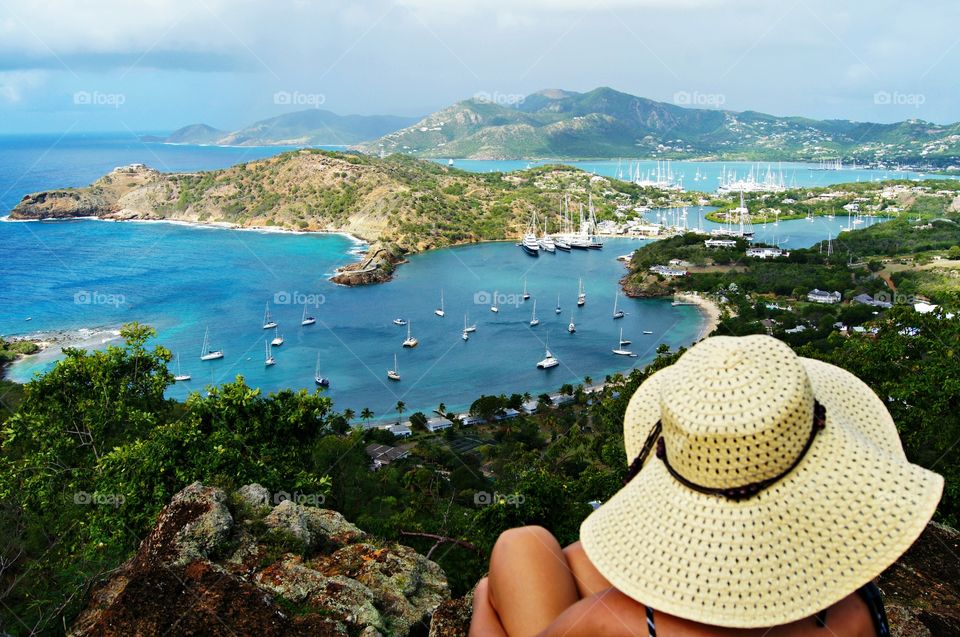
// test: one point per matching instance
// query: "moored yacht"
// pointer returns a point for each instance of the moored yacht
(581, 295)
(534, 321)
(617, 313)
(307, 320)
(399, 321)
(268, 322)
(206, 352)
(317, 378)
(572, 327)
(269, 360)
(394, 374)
(548, 360)
(410, 340)
(277, 337)
(620, 351)
(439, 311)
(180, 377)
(530, 245)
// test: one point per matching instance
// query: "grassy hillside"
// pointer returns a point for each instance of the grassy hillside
(412, 203)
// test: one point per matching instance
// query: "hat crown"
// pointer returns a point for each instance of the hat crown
(736, 411)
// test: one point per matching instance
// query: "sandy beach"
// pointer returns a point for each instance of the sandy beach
(708, 308)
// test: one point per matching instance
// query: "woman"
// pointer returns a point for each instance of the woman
(766, 491)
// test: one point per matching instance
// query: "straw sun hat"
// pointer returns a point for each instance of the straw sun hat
(779, 487)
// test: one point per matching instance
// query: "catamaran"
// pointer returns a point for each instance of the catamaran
(269, 360)
(307, 320)
(439, 311)
(557, 310)
(617, 314)
(317, 378)
(180, 377)
(207, 354)
(581, 295)
(620, 351)
(548, 360)
(534, 321)
(268, 322)
(394, 374)
(571, 328)
(411, 341)
(277, 337)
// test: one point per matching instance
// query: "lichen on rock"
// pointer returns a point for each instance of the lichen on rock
(262, 570)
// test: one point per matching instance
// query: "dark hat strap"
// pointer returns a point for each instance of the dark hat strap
(735, 493)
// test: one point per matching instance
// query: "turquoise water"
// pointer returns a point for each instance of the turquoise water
(181, 280)
(794, 173)
(84, 274)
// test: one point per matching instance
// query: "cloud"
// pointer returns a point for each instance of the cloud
(13, 84)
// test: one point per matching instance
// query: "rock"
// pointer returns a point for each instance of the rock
(452, 617)
(377, 266)
(329, 526)
(922, 589)
(254, 495)
(408, 585)
(200, 572)
(288, 517)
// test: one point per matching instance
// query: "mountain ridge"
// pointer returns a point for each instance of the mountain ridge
(606, 123)
(310, 127)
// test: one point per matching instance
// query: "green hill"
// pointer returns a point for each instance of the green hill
(607, 123)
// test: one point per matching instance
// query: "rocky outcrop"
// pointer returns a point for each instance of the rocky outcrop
(646, 286)
(922, 589)
(219, 565)
(100, 199)
(376, 267)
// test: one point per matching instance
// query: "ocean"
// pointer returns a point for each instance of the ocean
(88, 277)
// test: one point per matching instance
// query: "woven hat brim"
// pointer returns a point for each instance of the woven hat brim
(849, 509)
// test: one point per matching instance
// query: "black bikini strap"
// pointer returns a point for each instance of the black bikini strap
(651, 628)
(871, 596)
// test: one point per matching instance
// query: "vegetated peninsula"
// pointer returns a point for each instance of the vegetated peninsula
(398, 204)
(607, 123)
(313, 126)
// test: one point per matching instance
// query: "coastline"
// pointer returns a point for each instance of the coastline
(709, 310)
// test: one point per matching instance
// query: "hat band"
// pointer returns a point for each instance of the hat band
(734, 493)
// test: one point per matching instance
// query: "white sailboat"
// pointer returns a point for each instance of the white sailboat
(493, 307)
(268, 322)
(581, 295)
(180, 377)
(468, 328)
(620, 351)
(411, 341)
(572, 327)
(269, 360)
(394, 374)
(548, 360)
(557, 310)
(317, 378)
(307, 320)
(277, 337)
(207, 354)
(439, 311)
(617, 314)
(648, 332)
(526, 295)
(534, 321)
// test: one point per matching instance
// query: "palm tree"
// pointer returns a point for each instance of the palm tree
(348, 414)
(587, 380)
(527, 397)
(401, 407)
(366, 414)
(441, 408)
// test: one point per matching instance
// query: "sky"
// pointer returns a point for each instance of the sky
(156, 65)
